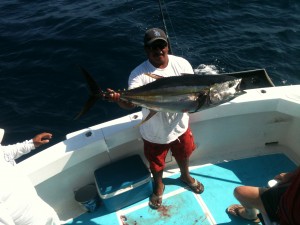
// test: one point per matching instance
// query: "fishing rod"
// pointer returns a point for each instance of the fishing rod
(165, 26)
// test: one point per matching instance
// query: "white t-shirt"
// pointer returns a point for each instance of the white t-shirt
(163, 127)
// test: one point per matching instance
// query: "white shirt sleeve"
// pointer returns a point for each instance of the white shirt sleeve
(12, 152)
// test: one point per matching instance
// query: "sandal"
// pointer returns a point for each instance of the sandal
(197, 187)
(236, 209)
(155, 201)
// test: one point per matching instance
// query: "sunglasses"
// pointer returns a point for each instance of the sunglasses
(158, 44)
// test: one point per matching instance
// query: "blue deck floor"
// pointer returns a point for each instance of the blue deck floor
(181, 206)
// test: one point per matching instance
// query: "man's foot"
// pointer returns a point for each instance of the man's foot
(240, 211)
(155, 201)
(196, 186)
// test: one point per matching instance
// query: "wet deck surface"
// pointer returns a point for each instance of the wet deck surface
(181, 206)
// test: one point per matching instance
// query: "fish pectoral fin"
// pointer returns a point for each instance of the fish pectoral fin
(202, 100)
(149, 116)
(154, 76)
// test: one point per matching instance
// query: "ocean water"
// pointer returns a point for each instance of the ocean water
(43, 42)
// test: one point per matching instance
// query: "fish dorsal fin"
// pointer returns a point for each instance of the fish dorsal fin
(154, 76)
(149, 116)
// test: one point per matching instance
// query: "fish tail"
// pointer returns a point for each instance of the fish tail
(93, 86)
(94, 92)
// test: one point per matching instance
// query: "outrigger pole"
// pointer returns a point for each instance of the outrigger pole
(165, 26)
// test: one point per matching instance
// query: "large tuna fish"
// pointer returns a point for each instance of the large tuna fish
(186, 93)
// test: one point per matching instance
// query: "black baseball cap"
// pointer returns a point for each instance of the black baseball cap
(154, 34)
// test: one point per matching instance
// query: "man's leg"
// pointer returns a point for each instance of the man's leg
(195, 185)
(156, 154)
(183, 165)
(249, 197)
(250, 200)
(158, 188)
(182, 148)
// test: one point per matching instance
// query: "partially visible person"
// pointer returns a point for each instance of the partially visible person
(19, 201)
(281, 203)
(164, 131)
(14, 151)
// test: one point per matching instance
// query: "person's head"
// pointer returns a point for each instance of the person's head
(156, 47)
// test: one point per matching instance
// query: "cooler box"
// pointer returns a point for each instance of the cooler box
(123, 183)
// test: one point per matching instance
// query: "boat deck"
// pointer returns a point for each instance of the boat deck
(181, 206)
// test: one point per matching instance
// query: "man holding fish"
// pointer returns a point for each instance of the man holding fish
(164, 131)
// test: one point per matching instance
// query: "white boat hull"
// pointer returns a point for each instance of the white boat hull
(263, 121)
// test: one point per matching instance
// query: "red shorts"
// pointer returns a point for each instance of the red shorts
(181, 149)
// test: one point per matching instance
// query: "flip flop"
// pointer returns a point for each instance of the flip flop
(155, 201)
(234, 210)
(197, 187)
